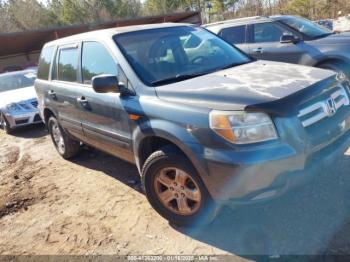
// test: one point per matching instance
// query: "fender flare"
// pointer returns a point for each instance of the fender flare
(173, 133)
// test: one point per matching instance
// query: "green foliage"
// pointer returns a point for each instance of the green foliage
(152, 7)
(19, 15)
(299, 7)
(89, 11)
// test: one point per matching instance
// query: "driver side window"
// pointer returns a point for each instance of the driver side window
(96, 60)
(268, 32)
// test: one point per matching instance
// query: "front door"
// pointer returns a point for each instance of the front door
(105, 122)
(265, 44)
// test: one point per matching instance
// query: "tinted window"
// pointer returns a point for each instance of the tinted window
(44, 62)
(96, 60)
(234, 35)
(162, 56)
(68, 65)
(269, 32)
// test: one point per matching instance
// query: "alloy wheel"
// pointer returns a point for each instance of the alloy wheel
(178, 191)
(3, 123)
(58, 138)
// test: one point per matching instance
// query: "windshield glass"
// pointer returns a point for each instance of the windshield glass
(14, 81)
(306, 27)
(166, 55)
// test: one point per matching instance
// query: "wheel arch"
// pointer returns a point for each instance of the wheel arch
(47, 113)
(334, 59)
(148, 141)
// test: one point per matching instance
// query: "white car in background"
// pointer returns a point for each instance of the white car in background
(18, 100)
(342, 24)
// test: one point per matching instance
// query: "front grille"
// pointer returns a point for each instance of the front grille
(323, 109)
(34, 103)
(26, 106)
(37, 118)
(22, 121)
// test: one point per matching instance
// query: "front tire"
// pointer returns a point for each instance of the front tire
(65, 146)
(5, 124)
(175, 190)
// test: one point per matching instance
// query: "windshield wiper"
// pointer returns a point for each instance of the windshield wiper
(176, 79)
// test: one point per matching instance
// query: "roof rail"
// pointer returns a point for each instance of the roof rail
(235, 20)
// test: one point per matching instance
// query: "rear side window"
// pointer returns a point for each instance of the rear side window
(45, 62)
(68, 65)
(96, 60)
(234, 35)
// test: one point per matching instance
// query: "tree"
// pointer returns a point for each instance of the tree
(92, 11)
(154, 7)
(18, 15)
(22, 15)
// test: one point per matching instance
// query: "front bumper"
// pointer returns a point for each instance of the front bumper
(23, 118)
(255, 176)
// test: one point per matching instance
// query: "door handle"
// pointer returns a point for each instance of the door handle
(258, 50)
(83, 101)
(52, 94)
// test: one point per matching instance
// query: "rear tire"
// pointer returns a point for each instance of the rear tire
(175, 190)
(5, 124)
(64, 144)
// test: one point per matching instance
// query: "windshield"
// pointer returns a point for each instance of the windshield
(14, 81)
(166, 55)
(306, 27)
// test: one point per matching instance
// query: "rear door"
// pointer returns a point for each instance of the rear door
(43, 81)
(264, 43)
(64, 89)
(237, 36)
(104, 118)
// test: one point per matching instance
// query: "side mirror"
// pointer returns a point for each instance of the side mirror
(105, 84)
(289, 39)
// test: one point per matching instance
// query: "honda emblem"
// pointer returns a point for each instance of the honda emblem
(331, 107)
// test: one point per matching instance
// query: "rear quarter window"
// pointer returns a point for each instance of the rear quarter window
(45, 62)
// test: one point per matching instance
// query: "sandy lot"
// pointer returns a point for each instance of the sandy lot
(94, 205)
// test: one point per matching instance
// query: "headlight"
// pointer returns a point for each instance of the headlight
(13, 107)
(240, 127)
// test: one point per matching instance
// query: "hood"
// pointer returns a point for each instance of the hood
(250, 84)
(17, 95)
(335, 39)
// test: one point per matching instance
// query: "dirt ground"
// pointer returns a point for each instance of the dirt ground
(94, 205)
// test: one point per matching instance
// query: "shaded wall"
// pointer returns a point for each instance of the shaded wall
(22, 48)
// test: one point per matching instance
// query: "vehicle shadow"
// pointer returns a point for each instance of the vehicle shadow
(309, 220)
(30, 132)
(114, 167)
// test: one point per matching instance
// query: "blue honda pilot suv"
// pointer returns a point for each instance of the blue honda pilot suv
(204, 123)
